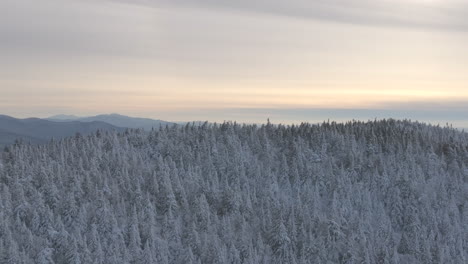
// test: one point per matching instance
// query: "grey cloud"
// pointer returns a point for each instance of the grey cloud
(446, 15)
(70, 28)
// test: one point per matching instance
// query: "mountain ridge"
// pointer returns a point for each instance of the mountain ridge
(37, 130)
(116, 120)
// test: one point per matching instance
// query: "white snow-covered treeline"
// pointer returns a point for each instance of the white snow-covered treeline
(361, 192)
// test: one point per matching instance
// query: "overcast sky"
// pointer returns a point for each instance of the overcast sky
(245, 60)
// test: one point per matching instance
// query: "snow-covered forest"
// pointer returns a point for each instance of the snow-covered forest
(361, 192)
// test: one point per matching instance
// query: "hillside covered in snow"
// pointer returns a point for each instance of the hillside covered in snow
(361, 192)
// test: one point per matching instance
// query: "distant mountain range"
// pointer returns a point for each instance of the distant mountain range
(36, 130)
(115, 120)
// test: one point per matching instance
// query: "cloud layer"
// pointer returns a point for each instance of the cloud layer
(435, 14)
(166, 59)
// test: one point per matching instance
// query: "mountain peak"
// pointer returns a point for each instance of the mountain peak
(115, 119)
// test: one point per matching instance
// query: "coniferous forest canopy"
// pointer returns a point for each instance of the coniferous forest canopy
(361, 192)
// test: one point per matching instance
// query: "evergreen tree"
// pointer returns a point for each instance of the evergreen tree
(383, 191)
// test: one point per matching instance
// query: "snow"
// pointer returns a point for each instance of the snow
(230, 193)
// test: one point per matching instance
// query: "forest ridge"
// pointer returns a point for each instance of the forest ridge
(359, 192)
